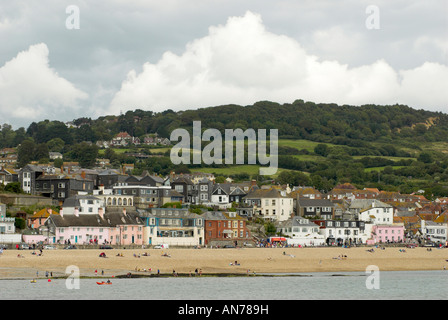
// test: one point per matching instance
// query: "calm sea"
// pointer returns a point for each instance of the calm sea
(409, 285)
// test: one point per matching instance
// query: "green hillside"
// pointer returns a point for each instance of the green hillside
(390, 147)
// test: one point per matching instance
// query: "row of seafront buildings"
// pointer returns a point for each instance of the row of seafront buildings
(110, 207)
(118, 225)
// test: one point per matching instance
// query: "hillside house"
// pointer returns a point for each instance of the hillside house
(315, 208)
(271, 204)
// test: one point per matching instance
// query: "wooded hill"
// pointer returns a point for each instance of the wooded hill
(392, 147)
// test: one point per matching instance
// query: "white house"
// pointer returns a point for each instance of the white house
(345, 231)
(377, 213)
(220, 195)
(433, 231)
(83, 204)
(172, 226)
(271, 204)
(301, 231)
(7, 228)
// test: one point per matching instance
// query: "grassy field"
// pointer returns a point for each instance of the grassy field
(301, 144)
(298, 144)
(386, 157)
(235, 169)
(134, 150)
(381, 168)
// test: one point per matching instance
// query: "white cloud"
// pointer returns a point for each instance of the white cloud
(241, 62)
(30, 88)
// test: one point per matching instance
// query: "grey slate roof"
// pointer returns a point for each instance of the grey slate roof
(111, 218)
(72, 202)
(305, 202)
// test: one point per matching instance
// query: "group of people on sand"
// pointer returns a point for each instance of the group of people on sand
(143, 270)
(341, 257)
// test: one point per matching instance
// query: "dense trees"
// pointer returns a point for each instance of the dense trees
(350, 143)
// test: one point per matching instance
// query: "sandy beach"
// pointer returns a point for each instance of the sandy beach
(218, 261)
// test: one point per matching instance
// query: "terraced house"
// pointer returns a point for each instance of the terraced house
(271, 204)
(116, 227)
(172, 226)
(223, 228)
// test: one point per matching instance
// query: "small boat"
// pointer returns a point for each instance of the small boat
(102, 282)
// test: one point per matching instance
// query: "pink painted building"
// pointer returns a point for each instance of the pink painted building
(112, 227)
(388, 233)
(125, 227)
(38, 218)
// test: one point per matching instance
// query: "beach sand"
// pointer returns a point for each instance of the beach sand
(218, 261)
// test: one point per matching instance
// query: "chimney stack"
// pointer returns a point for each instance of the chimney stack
(101, 212)
(124, 211)
(61, 213)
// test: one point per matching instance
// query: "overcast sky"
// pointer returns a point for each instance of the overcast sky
(173, 54)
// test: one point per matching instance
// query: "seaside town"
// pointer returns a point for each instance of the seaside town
(101, 206)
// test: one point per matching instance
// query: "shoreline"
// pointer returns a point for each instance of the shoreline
(216, 262)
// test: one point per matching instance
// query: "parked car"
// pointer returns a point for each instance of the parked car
(70, 247)
(48, 247)
(162, 246)
(24, 246)
(105, 247)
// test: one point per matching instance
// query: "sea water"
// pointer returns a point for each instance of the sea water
(406, 285)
